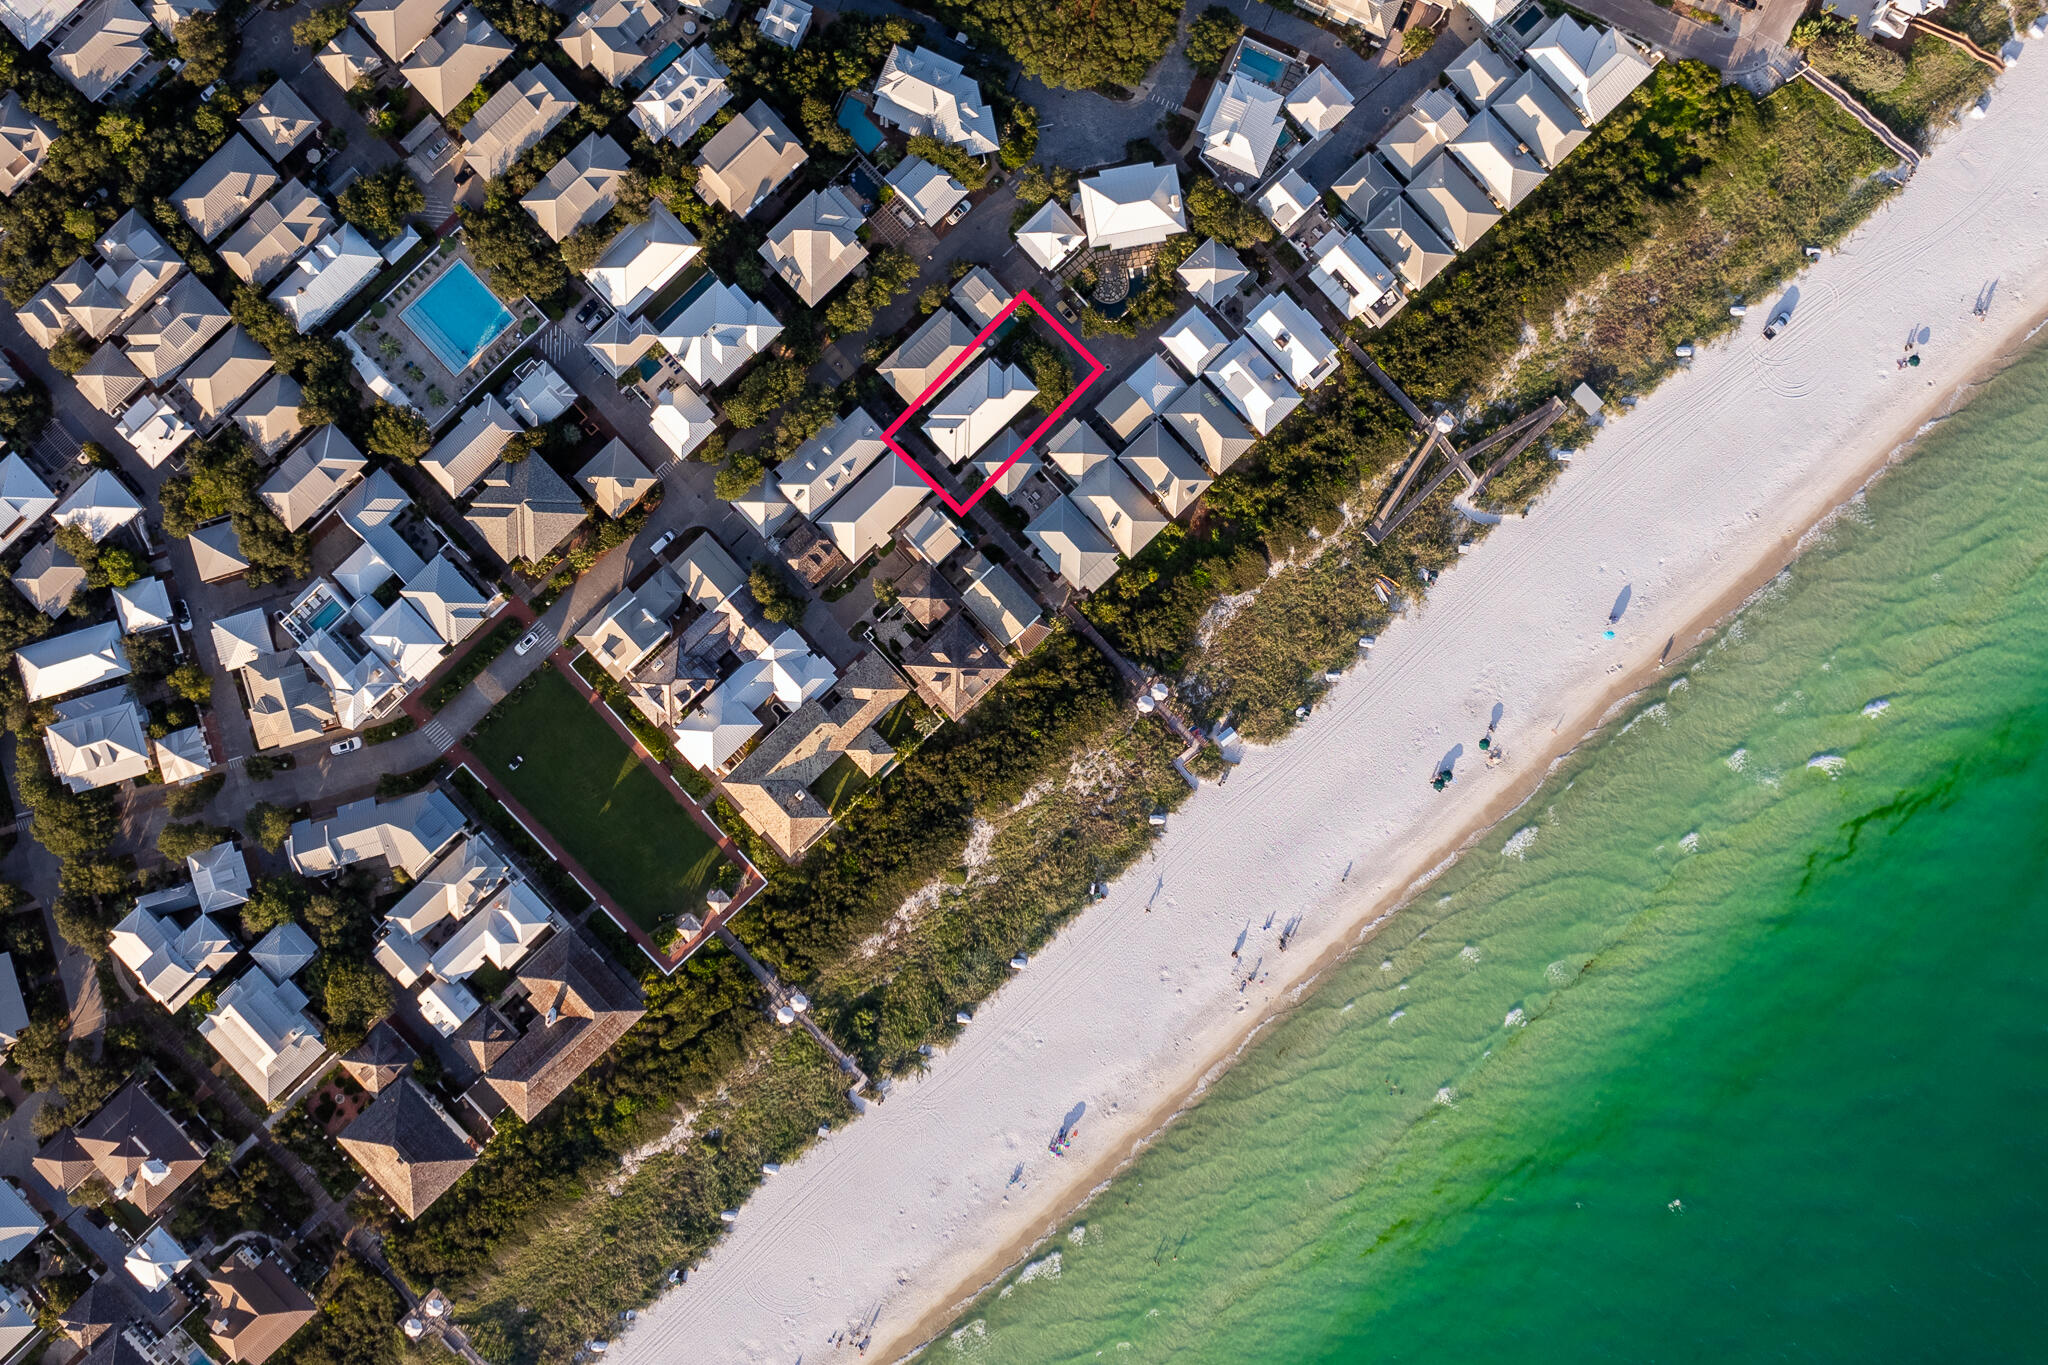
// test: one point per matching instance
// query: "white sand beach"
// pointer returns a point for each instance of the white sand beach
(1689, 501)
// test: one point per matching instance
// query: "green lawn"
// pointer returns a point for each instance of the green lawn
(840, 785)
(590, 791)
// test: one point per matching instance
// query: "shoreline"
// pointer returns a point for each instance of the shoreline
(1095, 1179)
(1695, 500)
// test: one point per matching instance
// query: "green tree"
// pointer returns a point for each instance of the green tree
(585, 246)
(24, 409)
(272, 902)
(321, 27)
(397, 433)
(191, 682)
(190, 798)
(1111, 42)
(207, 46)
(1415, 42)
(1020, 136)
(380, 203)
(741, 472)
(1831, 42)
(179, 842)
(970, 171)
(1210, 38)
(505, 240)
(1215, 212)
(354, 994)
(72, 351)
(268, 825)
(778, 601)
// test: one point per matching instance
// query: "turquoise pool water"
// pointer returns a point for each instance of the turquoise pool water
(644, 77)
(1263, 66)
(853, 117)
(329, 614)
(457, 317)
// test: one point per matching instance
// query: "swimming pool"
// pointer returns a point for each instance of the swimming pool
(327, 616)
(659, 63)
(457, 317)
(853, 117)
(1263, 66)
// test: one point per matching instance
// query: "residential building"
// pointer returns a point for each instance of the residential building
(284, 952)
(24, 499)
(143, 605)
(817, 244)
(1050, 236)
(1140, 397)
(134, 266)
(1435, 118)
(1116, 506)
(1208, 426)
(286, 705)
(98, 740)
(262, 1029)
(132, 1144)
(682, 421)
(927, 192)
(615, 478)
(323, 467)
(407, 833)
(381, 1060)
(1401, 235)
(349, 60)
(256, 1306)
(63, 664)
(1240, 127)
(109, 380)
(827, 464)
(926, 94)
(931, 535)
(1480, 73)
(217, 552)
(1319, 102)
(100, 506)
(182, 756)
(747, 160)
(447, 66)
(1377, 17)
(399, 26)
(581, 1007)
(1595, 68)
(24, 143)
(172, 962)
(634, 624)
(1130, 206)
(1288, 201)
(409, 1145)
(1213, 273)
(1540, 119)
(860, 519)
(447, 601)
(169, 332)
(999, 602)
(1456, 207)
(500, 934)
(916, 365)
(1259, 392)
(608, 37)
(953, 668)
(977, 295)
(1193, 340)
(1001, 466)
(326, 277)
(538, 393)
(1293, 341)
(683, 97)
(580, 188)
(785, 22)
(273, 236)
(619, 341)
(720, 331)
(225, 373)
(520, 113)
(969, 415)
(1077, 447)
(460, 458)
(771, 787)
(241, 639)
(762, 507)
(214, 197)
(269, 417)
(49, 578)
(20, 1224)
(1498, 161)
(154, 428)
(109, 41)
(524, 511)
(279, 121)
(1158, 463)
(1367, 188)
(642, 259)
(1353, 279)
(220, 877)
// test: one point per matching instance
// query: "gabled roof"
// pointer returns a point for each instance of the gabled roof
(239, 640)
(24, 499)
(20, 1224)
(225, 372)
(326, 277)
(1480, 73)
(446, 600)
(519, 114)
(1072, 546)
(620, 340)
(1293, 339)
(260, 1028)
(682, 420)
(1193, 340)
(217, 551)
(1212, 272)
(1435, 119)
(862, 517)
(279, 121)
(932, 535)
(225, 188)
(615, 478)
(925, 190)
(607, 37)
(100, 506)
(1367, 187)
(1002, 461)
(1288, 200)
(154, 428)
(407, 833)
(913, 367)
(1259, 392)
(256, 1307)
(109, 41)
(1497, 160)
(281, 227)
(1129, 206)
(31, 21)
(1077, 447)
(1320, 102)
(1595, 68)
(410, 1146)
(1454, 205)
(826, 465)
(978, 406)
(920, 91)
(1000, 603)
(182, 755)
(1116, 506)
(460, 458)
(1161, 465)
(1050, 235)
(1402, 236)
(1541, 118)
(399, 26)
(446, 67)
(1241, 125)
(745, 161)
(1348, 274)
(720, 331)
(634, 624)
(580, 188)
(683, 97)
(817, 243)
(524, 510)
(349, 59)
(1209, 426)
(48, 577)
(286, 705)
(312, 477)
(641, 259)
(170, 331)
(24, 142)
(1142, 393)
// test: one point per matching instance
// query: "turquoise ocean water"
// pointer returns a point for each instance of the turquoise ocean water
(1731, 1045)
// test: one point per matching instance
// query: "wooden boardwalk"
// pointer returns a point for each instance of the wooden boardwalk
(1400, 504)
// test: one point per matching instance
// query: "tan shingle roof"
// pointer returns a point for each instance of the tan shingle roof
(580, 188)
(281, 227)
(225, 188)
(279, 121)
(410, 1146)
(446, 67)
(225, 372)
(747, 159)
(525, 510)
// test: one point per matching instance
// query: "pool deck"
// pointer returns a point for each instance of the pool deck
(412, 365)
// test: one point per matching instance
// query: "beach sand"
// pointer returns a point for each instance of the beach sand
(1690, 502)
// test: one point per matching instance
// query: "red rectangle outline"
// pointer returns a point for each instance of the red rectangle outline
(1095, 370)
